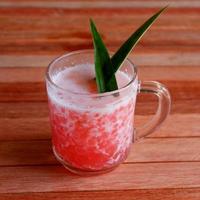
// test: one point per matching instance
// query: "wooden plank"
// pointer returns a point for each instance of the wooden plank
(165, 150)
(27, 84)
(156, 58)
(138, 15)
(45, 52)
(26, 153)
(125, 177)
(177, 125)
(57, 22)
(34, 92)
(104, 4)
(155, 194)
(61, 35)
(24, 128)
(24, 110)
(74, 40)
(61, 43)
(20, 153)
(22, 75)
(143, 107)
(36, 75)
(146, 106)
(60, 14)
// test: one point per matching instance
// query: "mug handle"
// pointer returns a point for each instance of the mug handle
(164, 105)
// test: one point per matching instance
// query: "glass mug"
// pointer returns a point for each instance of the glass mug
(93, 133)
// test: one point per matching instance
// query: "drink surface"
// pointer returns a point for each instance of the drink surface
(81, 79)
(90, 133)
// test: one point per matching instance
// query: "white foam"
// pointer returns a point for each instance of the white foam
(76, 79)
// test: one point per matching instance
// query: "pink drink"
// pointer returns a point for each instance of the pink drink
(92, 132)
(88, 132)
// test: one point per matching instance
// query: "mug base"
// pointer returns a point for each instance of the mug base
(81, 172)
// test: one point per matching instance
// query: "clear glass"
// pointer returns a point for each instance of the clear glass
(93, 133)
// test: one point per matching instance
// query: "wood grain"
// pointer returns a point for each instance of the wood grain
(144, 194)
(94, 4)
(37, 75)
(150, 150)
(177, 125)
(25, 31)
(125, 177)
(27, 84)
(179, 58)
(13, 110)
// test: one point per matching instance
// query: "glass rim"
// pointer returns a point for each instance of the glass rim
(49, 79)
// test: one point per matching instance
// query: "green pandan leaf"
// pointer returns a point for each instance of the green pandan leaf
(106, 67)
(118, 58)
(103, 66)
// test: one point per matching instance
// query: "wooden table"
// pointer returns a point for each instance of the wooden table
(165, 165)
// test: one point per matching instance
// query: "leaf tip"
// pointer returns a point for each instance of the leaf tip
(91, 21)
(164, 8)
(92, 24)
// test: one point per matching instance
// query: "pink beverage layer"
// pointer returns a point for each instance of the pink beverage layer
(90, 133)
